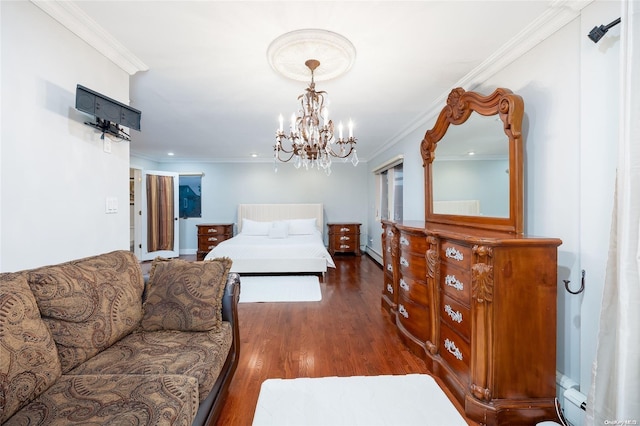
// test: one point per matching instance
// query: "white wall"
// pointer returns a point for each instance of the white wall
(54, 175)
(570, 90)
(599, 132)
(225, 185)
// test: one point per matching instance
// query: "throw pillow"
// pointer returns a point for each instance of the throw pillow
(183, 295)
(302, 226)
(252, 227)
(90, 303)
(279, 229)
(29, 361)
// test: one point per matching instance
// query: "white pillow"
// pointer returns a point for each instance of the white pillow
(252, 227)
(302, 226)
(279, 229)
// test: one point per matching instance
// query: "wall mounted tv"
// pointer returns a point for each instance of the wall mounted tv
(110, 114)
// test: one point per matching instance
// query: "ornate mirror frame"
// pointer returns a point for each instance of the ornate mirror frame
(460, 104)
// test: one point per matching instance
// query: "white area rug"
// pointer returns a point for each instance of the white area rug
(414, 399)
(287, 288)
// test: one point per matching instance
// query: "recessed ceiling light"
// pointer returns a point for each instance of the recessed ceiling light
(254, 155)
(471, 153)
(170, 154)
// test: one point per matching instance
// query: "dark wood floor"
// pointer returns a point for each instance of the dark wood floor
(346, 334)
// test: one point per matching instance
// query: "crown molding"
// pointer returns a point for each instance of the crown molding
(75, 20)
(558, 14)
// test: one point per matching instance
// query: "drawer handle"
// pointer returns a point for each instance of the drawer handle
(453, 253)
(388, 249)
(452, 348)
(403, 311)
(345, 229)
(455, 315)
(389, 234)
(404, 284)
(452, 281)
(404, 241)
(390, 288)
(403, 261)
(212, 230)
(213, 239)
(389, 267)
(342, 246)
(344, 238)
(211, 247)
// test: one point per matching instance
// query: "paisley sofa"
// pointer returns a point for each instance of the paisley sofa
(92, 341)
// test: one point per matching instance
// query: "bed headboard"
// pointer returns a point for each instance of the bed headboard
(269, 212)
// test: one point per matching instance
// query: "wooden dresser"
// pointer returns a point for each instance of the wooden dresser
(344, 237)
(210, 235)
(476, 297)
(480, 309)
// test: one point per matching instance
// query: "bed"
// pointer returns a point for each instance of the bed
(277, 238)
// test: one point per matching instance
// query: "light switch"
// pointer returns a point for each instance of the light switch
(111, 205)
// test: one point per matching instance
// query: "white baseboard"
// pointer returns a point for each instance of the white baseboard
(375, 255)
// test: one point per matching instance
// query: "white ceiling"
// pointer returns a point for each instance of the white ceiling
(209, 93)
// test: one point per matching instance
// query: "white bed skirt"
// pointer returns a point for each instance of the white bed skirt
(265, 266)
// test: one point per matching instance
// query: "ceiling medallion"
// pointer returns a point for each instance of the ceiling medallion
(287, 54)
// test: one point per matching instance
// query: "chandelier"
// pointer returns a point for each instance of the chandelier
(311, 141)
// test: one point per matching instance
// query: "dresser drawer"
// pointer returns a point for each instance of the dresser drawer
(414, 290)
(344, 242)
(347, 228)
(456, 282)
(457, 316)
(213, 229)
(455, 352)
(387, 248)
(414, 318)
(208, 242)
(388, 232)
(413, 243)
(455, 254)
(413, 265)
(389, 289)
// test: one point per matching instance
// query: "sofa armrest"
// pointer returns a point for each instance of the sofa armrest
(231, 298)
(211, 407)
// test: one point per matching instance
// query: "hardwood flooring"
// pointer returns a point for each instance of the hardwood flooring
(346, 334)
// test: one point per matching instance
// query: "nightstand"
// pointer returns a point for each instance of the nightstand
(210, 235)
(344, 237)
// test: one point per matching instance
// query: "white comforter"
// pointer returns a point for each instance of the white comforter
(248, 247)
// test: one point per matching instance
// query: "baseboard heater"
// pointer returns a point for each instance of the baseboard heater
(574, 402)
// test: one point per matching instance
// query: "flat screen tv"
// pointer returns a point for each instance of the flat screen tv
(109, 113)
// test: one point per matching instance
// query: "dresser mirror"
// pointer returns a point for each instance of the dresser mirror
(473, 162)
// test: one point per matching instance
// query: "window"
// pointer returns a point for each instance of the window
(389, 188)
(190, 199)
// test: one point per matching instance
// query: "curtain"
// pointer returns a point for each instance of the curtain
(160, 213)
(614, 397)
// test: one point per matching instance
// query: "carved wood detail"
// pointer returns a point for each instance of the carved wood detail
(509, 107)
(482, 282)
(482, 274)
(433, 272)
